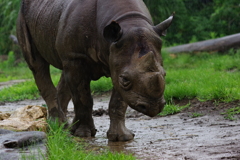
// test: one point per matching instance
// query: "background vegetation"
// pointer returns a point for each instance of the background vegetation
(195, 20)
(8, 15)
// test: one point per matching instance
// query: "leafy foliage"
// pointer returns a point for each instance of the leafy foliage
(197, 20)
(8, 15)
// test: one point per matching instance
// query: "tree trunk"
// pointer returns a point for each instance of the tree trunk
(219, 44)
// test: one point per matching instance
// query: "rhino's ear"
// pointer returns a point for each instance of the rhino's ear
(161, 28)
(112, 32)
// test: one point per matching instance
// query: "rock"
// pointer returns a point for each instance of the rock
(28, 118)
(30, 113)
(4, 131)
(19, 145)
(23, 139)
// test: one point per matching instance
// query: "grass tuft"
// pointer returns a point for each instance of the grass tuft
(102, 85)
(21, 91)
(171, 109)
(62, 146)
(230, 113)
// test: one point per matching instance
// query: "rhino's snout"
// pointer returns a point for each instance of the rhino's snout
(150, 108)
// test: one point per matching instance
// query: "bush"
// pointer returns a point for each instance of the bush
(9, 62)
(197, 20)
(8, 16)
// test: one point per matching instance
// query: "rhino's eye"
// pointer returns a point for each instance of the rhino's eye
(151, 69)
(124, 82)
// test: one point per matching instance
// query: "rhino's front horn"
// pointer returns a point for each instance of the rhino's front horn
(161, 28)
(147, 62)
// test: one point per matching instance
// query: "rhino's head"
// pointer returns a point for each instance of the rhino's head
(136, 65)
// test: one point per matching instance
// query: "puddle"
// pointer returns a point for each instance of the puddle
(164, 138)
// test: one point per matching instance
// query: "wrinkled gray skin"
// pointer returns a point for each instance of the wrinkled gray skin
(88, 39)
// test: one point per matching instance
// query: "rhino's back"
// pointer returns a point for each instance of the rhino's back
(45, 17)
(75, 26)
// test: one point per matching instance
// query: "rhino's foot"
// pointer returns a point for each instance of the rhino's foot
(119, 133)
(57, 116)
(84, 131)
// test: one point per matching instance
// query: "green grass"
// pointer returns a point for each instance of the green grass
(21, 91)
(195, 115)
(102, 85)
(203, 83)
(171, 109)
(28, 89)
(11, 71)
(231, 113)
(205, 76)
(61, 146)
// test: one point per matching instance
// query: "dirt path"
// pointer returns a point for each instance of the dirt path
(10, 83)
(176, 137)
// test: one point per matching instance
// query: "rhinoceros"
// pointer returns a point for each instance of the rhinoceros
(88, 39)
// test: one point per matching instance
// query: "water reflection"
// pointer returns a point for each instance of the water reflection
(99, 143)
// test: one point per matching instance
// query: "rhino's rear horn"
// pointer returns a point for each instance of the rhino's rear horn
(112, 32)
(161, 28)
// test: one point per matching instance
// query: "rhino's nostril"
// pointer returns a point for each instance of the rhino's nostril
(142, 107)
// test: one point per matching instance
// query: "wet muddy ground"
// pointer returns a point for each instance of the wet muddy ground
(175, 137)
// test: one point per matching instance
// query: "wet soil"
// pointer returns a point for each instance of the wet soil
(175, 137)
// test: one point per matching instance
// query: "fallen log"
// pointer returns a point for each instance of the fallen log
(216, 45)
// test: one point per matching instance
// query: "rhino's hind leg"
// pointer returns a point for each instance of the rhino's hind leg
(117, 109)
(63, 94)
(78, 80)
(40, 69)
(49, 94)
(41, 73)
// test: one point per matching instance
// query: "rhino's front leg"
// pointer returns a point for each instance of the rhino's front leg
(117, 109)
(78, 80)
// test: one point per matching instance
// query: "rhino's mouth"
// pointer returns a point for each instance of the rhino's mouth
(150, 109)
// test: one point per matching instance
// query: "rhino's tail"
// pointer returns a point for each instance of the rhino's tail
(24, 36)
